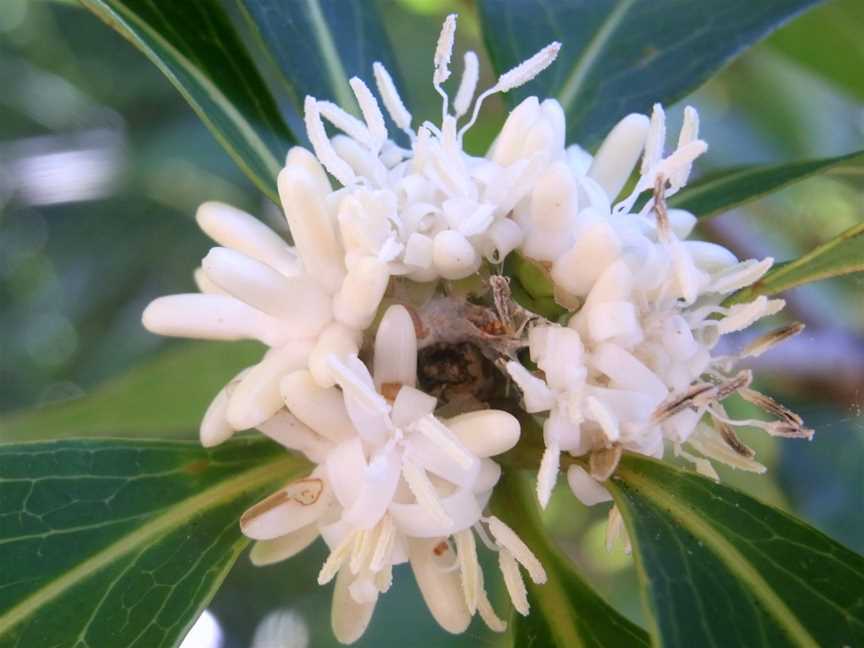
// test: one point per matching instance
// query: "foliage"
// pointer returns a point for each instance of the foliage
(85, 520)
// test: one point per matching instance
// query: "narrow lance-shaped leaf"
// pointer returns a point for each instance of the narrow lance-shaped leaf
(194, 44)
(320, 44)
(721, 191)
(844, 254)
(121, 543)
(719, 565)
(621, 56)
(165, 397)
(565, 611)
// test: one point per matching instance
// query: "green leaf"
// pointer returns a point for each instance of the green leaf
(565, 611)
(166, 397)
(194, 44)
(720, 568)
(622, 56)
(320, 44)
(844, 254)
(815, 40)
(120, 543)
(721, 191)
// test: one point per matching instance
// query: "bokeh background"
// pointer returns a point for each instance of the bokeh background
(102, 165)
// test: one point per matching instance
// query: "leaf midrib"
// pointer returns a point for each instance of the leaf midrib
(330, 56)
(170, 518)
(738, 564)
(583, 64)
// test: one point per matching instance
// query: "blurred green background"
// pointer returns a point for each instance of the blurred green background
(102, 165)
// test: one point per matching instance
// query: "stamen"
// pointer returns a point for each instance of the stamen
(324, 150)
(656, 139)
(512, 544)
(469, 568)
(480, 530)
(513, 581)
(615, 529)
(689, 133)
(362, 546)
(517, 76)
(392, 101)
(767, 341)
(603, 462)
(335, 560)
(731, 439)
(486, 611)
(771, 406)
(467, 85)
(371, 112)
(346, 122)
(441, 60)
(384, 546)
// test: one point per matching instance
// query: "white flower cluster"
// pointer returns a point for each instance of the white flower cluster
(393, 481)
(633, 366)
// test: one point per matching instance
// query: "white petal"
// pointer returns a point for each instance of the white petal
(258, 397)
(377, 488)
(410, 405)
(627, 372)
(441, 589)
(561, 358)
(311, 228)
(681, 222)
(395, 358)
(322, 409)
(462, 507)
(336, 339)
(299, 302)
(210, 317)
(244, 233)
(439, 459)
(358, 299)
(710, 257)
(741, 275)
(490, 473)
(536, 394)
(485, 433)
(348, 617)
(586, 488)
(299, 504)
(268, 552)
(502, 238)
(617, 156)
(345, 469)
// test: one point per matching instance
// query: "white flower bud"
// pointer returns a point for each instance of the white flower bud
(578, 269)
(441, 588)
(486, 433)
(617, 156)
(322, 409)
(240, 231)
(358, 299)
(395, 359)
(336, 339)
(453, 255)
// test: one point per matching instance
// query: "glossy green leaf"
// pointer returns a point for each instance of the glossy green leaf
(720, 568)
(844, 254)
(194, 44)
(320, 44)
(565, 611)
(165, 397)
(621, 56)
(721, 191)
(828, 42)
(121, 543)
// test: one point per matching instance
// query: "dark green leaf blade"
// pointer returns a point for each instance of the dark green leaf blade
(729, 188)
(565, 611)
(120, 543)
(320, 44)
(194, 44)
(165, 397)
(720, 568)
(621, 56)
(844, 254)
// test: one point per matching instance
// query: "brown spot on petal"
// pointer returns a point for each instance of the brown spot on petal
(441, 548)
(304, 492)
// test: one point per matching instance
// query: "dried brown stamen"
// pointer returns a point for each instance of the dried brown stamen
(603, 462)
(771, 406)
(733, 440)
(770, 339)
